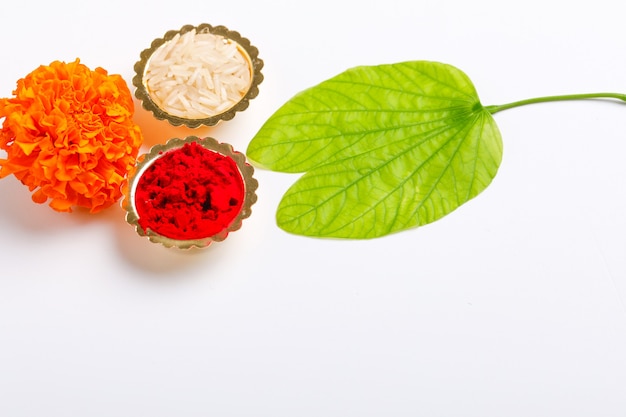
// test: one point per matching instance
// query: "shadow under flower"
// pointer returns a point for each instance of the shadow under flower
(17, 207)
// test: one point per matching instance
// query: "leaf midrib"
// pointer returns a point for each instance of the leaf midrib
(362, 133)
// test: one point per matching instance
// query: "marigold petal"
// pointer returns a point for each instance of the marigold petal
(61, 205)
(27, 147)
(79, 187)
(39, 197)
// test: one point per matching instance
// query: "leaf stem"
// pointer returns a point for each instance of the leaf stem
(497, 108)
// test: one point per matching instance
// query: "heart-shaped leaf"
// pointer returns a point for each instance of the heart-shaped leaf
(385, 148)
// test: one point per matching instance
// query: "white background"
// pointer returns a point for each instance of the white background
(513, 305)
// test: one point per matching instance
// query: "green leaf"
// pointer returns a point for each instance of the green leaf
(386, 148)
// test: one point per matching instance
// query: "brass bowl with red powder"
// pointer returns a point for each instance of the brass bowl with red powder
(189, 192)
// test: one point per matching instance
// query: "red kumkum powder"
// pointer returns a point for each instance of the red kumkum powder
(189, 193)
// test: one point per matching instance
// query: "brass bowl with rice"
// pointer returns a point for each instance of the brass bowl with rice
(198, 75)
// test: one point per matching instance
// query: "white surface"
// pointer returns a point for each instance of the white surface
(514, 305)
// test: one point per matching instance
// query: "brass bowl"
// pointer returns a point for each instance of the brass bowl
(145, 162)
(162, 97)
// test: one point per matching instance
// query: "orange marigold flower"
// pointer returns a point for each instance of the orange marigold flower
(69, 135)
